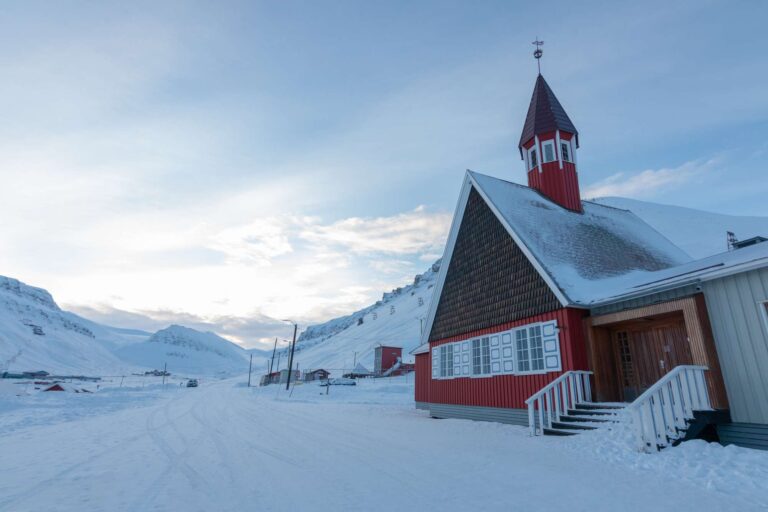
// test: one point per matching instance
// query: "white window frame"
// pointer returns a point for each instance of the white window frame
(568, 146)
(533, 155)
(549, 346)
(492, 359)
(551, 145)
(446, 361)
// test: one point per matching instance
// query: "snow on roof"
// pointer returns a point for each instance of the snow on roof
(599, 252)
(704, 269)
(421, 349)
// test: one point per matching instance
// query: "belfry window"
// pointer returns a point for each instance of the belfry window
(534, 159)
(565, 151)
(549, 152)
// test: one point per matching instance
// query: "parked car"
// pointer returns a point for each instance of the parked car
(192, 383)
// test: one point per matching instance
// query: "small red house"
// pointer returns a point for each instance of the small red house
(385, 357)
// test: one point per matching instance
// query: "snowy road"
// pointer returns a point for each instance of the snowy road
(223, 447)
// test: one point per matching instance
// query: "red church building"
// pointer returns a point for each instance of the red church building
(547, 306)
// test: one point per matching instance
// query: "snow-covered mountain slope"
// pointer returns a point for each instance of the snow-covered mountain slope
(394, 320)
(188, 351)
(35, 334)
(697, 232)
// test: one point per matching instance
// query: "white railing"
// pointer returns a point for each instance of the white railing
(660, 414)
(556, 398)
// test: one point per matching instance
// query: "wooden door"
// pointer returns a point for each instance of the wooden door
(647, 351)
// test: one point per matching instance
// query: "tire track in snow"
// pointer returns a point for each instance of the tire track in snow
(69, 471)
(175, 460)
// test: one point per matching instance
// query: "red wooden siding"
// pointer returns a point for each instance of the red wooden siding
(510, 391)
(560, 185)
(423, 376)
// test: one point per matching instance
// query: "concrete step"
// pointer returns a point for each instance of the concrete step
(587, 418)
(560, 432)
(572, 426)
(601, 406)
(593, 412)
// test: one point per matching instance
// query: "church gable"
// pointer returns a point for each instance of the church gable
(489, 280)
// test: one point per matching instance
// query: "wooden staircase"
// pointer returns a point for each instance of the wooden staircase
(674, 409)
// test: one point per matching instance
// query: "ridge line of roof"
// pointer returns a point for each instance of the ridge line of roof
(592, 202)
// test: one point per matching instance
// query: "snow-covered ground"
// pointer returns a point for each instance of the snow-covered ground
(225, 447)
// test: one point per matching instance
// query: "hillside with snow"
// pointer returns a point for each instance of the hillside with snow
(395, 319)
(36, 334)
(189, 351)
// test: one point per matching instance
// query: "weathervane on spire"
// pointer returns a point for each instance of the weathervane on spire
(538, 53)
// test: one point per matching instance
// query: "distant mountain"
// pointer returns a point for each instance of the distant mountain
(188, 351)
(697, 232)
(35, 334)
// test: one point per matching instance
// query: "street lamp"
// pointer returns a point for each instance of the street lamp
(290, 358)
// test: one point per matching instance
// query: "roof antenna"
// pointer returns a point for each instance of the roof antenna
(539, 52)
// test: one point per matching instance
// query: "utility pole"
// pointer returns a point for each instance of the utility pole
(354, 361)
(165, 371)
(278, 362)
(290, 359)
(250, 365)
(273, 356)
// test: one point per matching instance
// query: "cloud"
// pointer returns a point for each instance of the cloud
(257, 242)
(412, 232)
(649, 182)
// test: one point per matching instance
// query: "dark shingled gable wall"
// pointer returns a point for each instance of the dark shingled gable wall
(489, 280)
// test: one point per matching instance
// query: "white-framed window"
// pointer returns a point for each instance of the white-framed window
(565, 150)
(481, 356)
(527, 349)
(548, 149)
(446, 360)
(764, 307)
(533, 160)
(530, 349)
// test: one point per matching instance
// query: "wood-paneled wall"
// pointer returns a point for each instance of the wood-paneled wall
(601, 350)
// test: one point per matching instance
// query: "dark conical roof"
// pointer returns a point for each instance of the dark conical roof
(545, 114)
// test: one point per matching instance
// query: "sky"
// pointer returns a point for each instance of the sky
(227, 165)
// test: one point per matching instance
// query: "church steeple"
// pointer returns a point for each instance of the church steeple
(548, 145)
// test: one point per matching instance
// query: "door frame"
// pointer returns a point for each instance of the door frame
(601, 350)
(649, 354)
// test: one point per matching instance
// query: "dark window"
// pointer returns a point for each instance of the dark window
(565, 152)
(534, 160)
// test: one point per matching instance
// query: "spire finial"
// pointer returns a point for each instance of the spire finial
(539, 52)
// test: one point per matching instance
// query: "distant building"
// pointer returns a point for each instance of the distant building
(385, 358)
(279, 377)
(358, 372)
(35, 375)
(320, 374)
